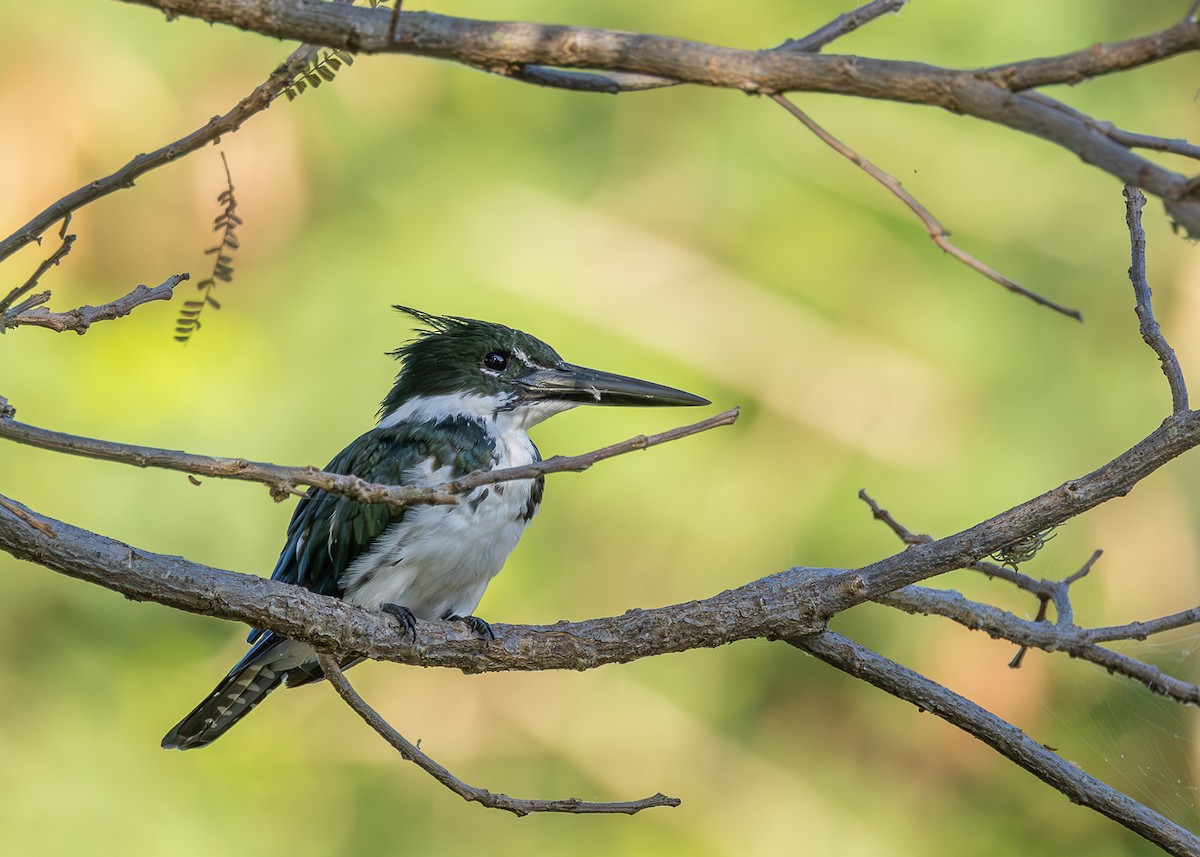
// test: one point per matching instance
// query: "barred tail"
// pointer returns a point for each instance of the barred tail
(248, 683)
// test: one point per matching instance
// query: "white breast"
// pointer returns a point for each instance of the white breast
(438, 561)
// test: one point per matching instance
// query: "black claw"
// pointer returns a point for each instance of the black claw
(477, 625)
(408, 622)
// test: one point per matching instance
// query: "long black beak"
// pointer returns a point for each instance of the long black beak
(570, 383)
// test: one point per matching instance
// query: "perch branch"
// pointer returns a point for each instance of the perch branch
(791, 603)
(517, 806)
(286, 480)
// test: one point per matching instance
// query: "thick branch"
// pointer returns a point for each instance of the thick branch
(517, 806)
(1001, 736)
(775, 606)
(285, 480)
(991, 94)
(79, 320)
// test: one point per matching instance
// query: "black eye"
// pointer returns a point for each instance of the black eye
(496, 361)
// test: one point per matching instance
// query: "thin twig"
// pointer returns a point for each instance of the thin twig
(580, 463)
(394, 26)
(1142, 630)
(1151, 333)
(1175, 146)
(1019, 657)
(285, 480)
(842, 25)
(79, 320)
(1001, 736)
(517, 806)
(1081, 643)
(1061, 636)
(935, 229)
(1065, 635)
(880, 514)
(57, 256)
(254, 103)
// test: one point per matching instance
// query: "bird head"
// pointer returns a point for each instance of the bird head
(461, 365)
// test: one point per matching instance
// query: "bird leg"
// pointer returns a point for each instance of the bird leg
(408, 622)
(475, 624)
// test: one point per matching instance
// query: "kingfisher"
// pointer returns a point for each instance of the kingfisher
(465, 397)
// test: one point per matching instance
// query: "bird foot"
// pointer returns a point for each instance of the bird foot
(477, 625)
(408, 622)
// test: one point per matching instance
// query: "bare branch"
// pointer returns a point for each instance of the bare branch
(31, 283)
(880, 514)
(1142, 630)
(935, 229)
(1151, 332)
(1061, 636)
(255, 102)
(772, 607)
(615, 82)
(1070, 639)
(1096, 60)
(285, 480)
(79, 320)
(842, 25)
(517, 806)
(791, 603)
(984, 93)
(334, 625)
(1003, 737)
(1019, 657)
(1175, 146)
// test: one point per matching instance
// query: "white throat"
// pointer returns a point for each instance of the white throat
(490, 409)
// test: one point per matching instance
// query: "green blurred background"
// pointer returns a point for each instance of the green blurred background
(698, 238)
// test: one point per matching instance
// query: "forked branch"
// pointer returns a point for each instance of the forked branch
(1001, 736)
(79, 320)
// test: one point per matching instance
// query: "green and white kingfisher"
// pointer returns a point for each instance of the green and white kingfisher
(465, 398)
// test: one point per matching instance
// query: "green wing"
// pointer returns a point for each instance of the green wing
(328, 531)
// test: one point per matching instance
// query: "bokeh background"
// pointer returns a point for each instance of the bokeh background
(699, 238)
